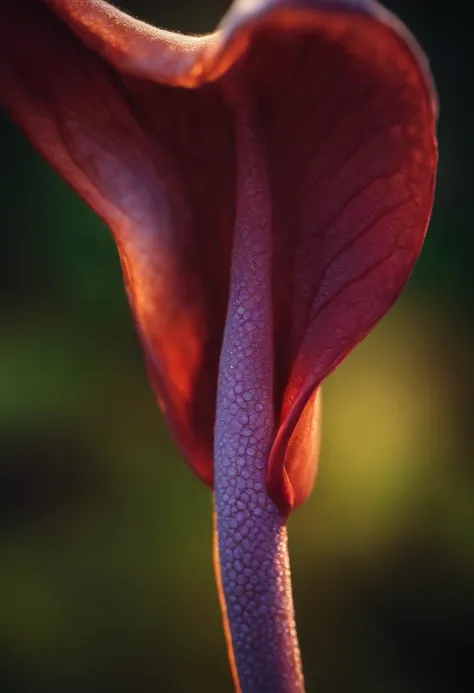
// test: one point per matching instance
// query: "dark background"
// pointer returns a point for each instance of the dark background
(106, 579)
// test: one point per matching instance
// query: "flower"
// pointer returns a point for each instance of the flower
(269, 188)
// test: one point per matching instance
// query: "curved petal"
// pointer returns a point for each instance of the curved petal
(348, 110)
(128, 147)
(360, 161)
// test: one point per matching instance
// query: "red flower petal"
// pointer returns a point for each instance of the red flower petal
(348, 111)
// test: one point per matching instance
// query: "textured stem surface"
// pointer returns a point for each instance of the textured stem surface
(252, 541)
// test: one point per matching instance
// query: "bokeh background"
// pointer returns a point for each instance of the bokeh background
(106, 579)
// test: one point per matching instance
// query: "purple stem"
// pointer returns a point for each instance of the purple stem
(254, 571)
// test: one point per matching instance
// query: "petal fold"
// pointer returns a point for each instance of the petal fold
(133, 47)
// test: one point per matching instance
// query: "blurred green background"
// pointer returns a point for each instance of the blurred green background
(106, 580)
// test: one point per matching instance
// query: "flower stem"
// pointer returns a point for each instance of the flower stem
(258, 615)
(251, 539)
